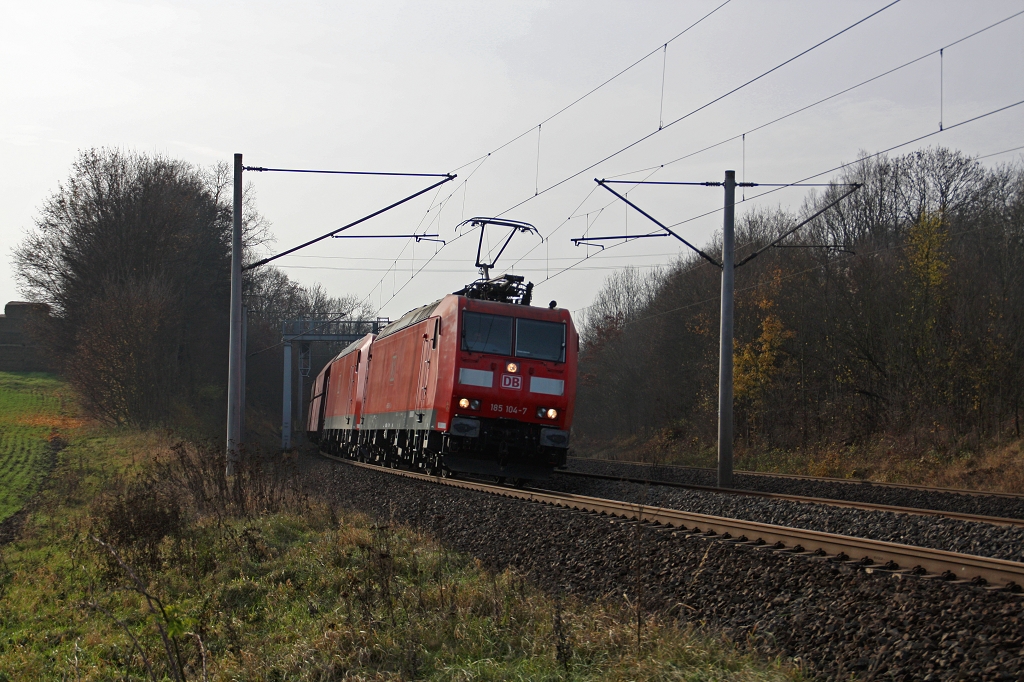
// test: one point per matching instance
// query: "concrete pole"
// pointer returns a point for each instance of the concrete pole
(235, 359)
(725, 348)
(305, 362)
(245, 363)
(286, 400)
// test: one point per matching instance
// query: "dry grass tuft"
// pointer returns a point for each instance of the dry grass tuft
(145, 562)
(992, 466)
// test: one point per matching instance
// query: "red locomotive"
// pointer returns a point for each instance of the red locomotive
(478, 382)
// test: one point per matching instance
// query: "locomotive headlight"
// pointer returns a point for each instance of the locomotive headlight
(464, 403)
(541, 411)
(552, 413)
(512, 367)
(474, 404)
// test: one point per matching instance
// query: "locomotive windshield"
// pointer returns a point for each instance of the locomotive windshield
(540, 340)
(487, 333)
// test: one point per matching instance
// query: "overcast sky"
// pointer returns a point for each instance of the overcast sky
(432, 86)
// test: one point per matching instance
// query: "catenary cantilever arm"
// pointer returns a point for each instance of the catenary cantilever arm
(797, 227)
(659, 224)
(448, 178)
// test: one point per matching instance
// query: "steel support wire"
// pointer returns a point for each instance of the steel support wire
(593, 90)
(863, 159)
(841, 166)
(447, 178)
(824, 99)
(667, 229)
(589, 241)
(701, 107)
(856, 186)
(261, 169)
(440, 206)
(418, 237)
(728, 268)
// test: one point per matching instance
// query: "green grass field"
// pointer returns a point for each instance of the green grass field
(260, 586)
(31, 416)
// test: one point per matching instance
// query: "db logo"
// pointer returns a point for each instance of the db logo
(513, 381)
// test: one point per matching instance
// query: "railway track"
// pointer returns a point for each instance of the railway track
(866, 506)
(870, 555)
(804, 477)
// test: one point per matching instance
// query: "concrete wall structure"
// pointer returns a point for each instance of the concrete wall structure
(18, 352)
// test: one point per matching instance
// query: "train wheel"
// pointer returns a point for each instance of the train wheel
(519, 482)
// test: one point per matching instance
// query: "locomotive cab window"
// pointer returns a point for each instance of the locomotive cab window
(540, 340)
(483, 333)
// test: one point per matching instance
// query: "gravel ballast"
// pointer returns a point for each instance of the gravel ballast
(986, 505)
(836, 620)
(936, 532)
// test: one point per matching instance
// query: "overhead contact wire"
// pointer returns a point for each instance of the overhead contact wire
(481, 160)
(879, 153)
(810, 177)
(701, 108)
(484, 157)
(824, 99)
(592, 91)
(261, 169)
(1005, 151)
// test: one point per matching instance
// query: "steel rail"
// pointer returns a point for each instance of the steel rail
(872, 555)
(825, 479)
(866, 506)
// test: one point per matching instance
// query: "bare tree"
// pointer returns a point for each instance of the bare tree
(131, 253)
(898, 311)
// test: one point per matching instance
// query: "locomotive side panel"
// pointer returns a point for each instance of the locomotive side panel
(340, 369)
(343, 396)
(358, 386)
(446, 362)
(341, 400)
(317, 402)
(398, 385)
